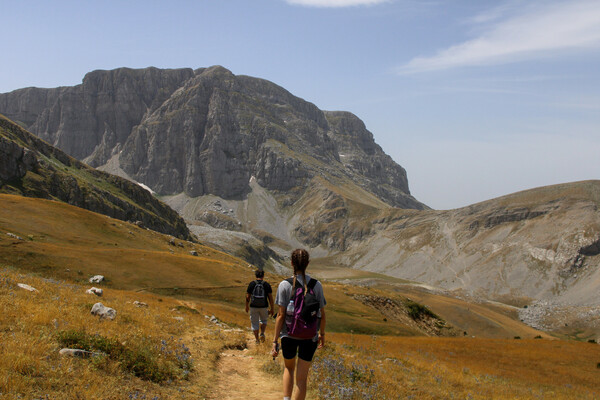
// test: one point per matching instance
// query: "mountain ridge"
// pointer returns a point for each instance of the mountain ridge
(212, 126)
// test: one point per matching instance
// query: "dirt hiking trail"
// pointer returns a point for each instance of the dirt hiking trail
(242, 375)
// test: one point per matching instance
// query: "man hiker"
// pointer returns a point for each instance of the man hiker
(259, 298)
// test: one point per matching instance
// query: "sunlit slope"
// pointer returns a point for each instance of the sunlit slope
(540, 244)
(33, 168)
(67, 242)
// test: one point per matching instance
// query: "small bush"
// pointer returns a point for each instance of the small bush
(538, 337)
(143, 359)
(418, 311)
(592, 341)
(187, 309)
(517, 337)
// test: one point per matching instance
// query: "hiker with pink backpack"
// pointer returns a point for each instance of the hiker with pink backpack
(300, 324)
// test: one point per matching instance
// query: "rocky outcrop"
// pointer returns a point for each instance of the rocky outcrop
(207, 132)
(31, 167)
(15, 160)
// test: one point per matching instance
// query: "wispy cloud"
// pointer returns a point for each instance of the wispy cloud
(335, 3)
(530, 32)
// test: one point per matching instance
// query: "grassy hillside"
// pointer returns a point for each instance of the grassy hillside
(68, 243)
(33, 168)
(170, 350)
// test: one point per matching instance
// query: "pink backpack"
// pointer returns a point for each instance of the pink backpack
(303, 321)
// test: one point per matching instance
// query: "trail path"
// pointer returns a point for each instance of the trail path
(241, 375)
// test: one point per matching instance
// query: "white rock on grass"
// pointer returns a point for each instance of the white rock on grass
(76, 353)
(102, 311)
(96, 291)
(96, 279)
(27, 287)
(140, 304)
(12, 235)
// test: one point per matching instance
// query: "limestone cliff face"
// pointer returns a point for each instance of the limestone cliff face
(207, 132)
(90, 119)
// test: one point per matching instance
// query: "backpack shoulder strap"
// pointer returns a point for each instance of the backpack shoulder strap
(291, 281)
(311, 284)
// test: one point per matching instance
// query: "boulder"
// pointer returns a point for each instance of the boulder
(103, 312)
(97, 279)
(140, 304)
(96, 291)
(194, 253)
(27, 287)
(12, 235)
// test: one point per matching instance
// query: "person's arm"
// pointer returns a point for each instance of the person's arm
(322, 329)
(278, 326)
(271, 304)
(247, 302)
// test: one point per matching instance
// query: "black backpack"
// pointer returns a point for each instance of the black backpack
(259, 298)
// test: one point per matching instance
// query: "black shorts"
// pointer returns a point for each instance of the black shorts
(305, 348)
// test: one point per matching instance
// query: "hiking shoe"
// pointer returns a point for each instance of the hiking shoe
(262, 337)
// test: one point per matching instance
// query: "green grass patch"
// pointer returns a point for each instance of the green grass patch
(155, 362)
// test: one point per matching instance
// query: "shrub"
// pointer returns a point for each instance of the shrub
(517, 337)
(143, 358)
(418, 311)
(592, 341)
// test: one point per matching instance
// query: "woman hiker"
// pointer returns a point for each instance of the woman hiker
(298, 341)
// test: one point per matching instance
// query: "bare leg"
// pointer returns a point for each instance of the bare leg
(288, 376)
(263, 328)
(256, 335)
(302, 378)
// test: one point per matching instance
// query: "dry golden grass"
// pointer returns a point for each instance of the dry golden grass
(32, 322)
(444, 368)
(69, 244)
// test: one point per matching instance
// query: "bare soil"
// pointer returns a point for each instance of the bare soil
(242, 376)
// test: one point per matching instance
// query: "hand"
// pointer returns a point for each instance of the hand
(275, 350)
(321, 341)
(271, 311)
(247, 307)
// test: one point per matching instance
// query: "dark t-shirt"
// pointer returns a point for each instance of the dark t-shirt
(266, 286)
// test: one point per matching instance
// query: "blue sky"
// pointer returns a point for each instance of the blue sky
(474, 98)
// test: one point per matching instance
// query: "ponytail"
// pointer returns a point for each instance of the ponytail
(300, 259)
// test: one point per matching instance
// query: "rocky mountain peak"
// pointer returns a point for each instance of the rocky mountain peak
(206, 131)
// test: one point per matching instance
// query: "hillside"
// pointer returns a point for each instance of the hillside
(539, 246)
(167, 348)
(31, 167)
